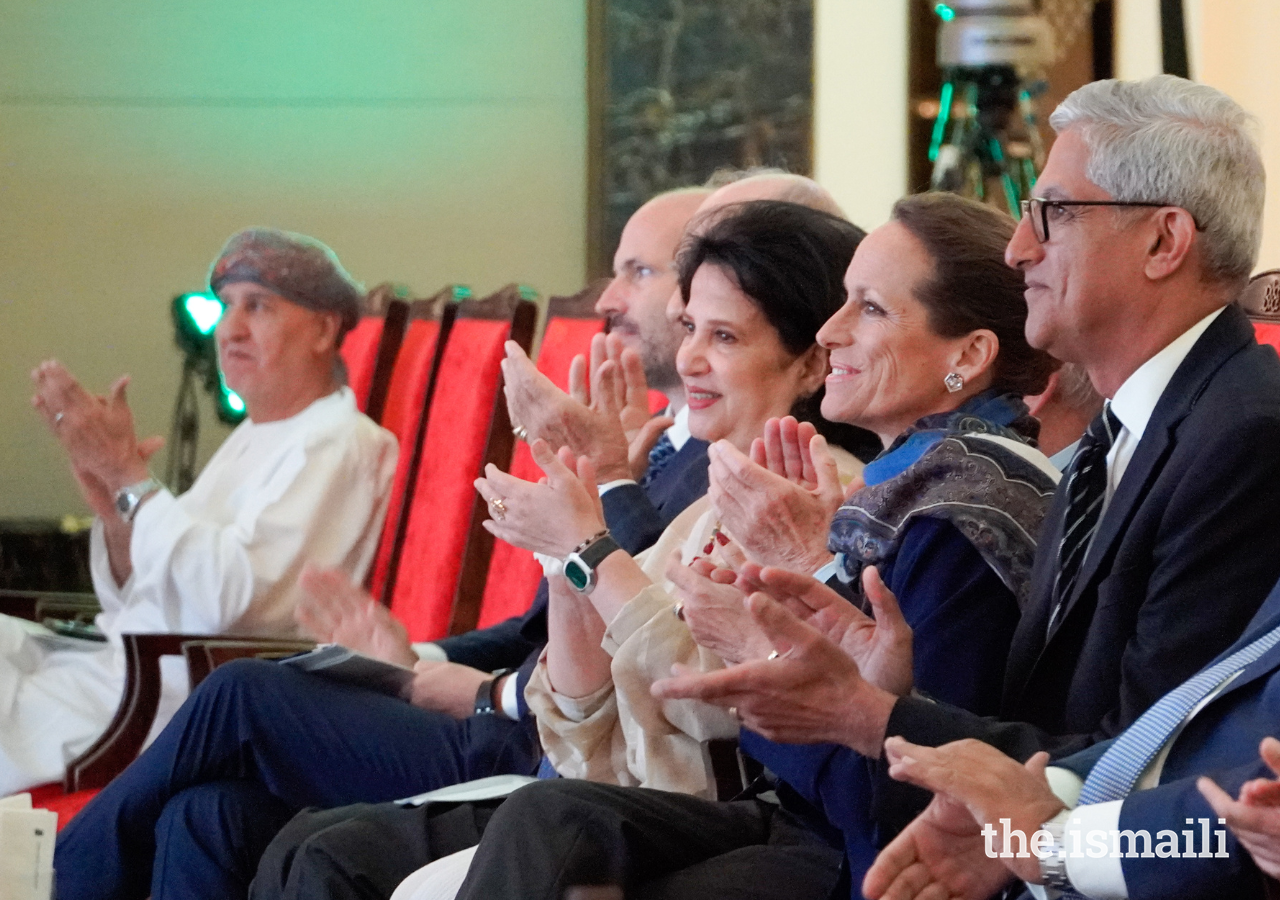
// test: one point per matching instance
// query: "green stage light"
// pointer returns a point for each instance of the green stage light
(204, 309)
(195, 317)
(945, 13)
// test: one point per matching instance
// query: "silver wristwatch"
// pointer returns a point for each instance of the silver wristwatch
(580, 565)
(129, 498)
(1053, 864)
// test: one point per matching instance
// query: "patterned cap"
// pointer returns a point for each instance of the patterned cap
(298, 268)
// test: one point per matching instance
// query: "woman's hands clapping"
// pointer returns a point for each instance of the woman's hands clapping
(778, 503)
(552, 516)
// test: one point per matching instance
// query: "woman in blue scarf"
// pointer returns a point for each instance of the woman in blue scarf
(929, 353)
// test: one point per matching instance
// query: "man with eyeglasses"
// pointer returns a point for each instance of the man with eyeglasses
(1160, 546)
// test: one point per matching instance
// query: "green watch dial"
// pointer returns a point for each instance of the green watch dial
(577, 576)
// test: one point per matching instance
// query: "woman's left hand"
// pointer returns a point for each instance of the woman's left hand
(554, 515)
(712, 607)
(778, 503)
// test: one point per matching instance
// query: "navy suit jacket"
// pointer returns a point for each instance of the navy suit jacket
(636, 516)
(1222, 742)
(1183, 558)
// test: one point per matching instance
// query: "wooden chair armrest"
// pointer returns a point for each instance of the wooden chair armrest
(36, 605)
(124, 737)
(205, 656)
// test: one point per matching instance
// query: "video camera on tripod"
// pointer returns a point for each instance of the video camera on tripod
(993, 54)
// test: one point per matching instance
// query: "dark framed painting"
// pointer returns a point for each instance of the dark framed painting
(678, 89)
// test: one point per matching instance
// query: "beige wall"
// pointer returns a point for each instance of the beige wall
(1238, 55)
(425, 142)
(1232, 46)
(860, 104)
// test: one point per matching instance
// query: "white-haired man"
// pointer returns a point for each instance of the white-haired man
(304, 478)
(1159, 548)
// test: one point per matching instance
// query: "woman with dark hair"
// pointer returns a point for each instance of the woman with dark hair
(927, 352)
(757, 285)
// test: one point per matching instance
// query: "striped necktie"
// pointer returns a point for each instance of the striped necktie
(1117, 771)
(659, 456)
(1086, 488)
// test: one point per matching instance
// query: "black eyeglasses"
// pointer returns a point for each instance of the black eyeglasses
(1038, 210)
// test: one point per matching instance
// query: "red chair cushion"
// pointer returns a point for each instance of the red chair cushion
(513, 572)
(452, 457)
(406, 396)
(360, 353)
(51, 797)
(1267, 333)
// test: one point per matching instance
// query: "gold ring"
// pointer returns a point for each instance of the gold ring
(521, 433)
(498, 508)
(678, 610)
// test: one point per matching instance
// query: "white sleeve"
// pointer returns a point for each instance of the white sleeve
(1100, 879)
(430, 652)
(610, 485)
(322, 503)
(110, 594)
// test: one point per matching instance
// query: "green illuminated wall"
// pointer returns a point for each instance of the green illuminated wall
(427, 142)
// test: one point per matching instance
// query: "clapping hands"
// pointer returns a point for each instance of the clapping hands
(778, 503)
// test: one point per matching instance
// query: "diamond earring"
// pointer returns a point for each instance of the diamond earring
(954, 382)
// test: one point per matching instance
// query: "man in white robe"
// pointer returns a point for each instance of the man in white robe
(304, 479)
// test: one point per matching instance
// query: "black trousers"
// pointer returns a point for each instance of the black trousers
(552, 835)
(363, 852)
(655, 845)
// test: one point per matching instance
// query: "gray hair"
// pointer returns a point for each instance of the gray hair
(1166, 139)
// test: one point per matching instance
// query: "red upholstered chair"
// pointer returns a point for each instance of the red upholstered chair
(369, 350)
(1261, 302)
(405, 414)
(513, 572)
(444, 550)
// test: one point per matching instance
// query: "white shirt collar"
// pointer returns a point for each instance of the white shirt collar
(1136, 399)
(678, 433)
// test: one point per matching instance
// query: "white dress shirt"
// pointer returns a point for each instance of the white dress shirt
(1136, 400)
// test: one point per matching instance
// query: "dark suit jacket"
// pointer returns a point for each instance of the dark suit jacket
(1184, 556)
(1221, 741)
(636, 516)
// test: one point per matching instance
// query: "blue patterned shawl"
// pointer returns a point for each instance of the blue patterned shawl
(944, 467)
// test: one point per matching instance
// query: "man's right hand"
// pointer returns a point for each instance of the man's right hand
(547, 412)
(333, 610)
(943, 852)
(446, 687)
(881, 646)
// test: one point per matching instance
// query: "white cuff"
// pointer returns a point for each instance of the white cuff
(610, 485)
(1100, 879)
(429, 652)
(1065, 785)
(827, 572)
(834, 568)
(509, 702)
(550, 565)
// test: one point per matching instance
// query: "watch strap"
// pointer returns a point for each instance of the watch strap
(600, 547)
(130, 497)
(487, 702)
(1053, 864)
